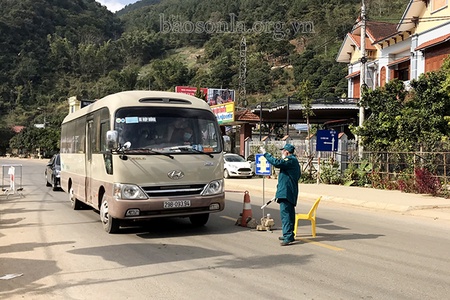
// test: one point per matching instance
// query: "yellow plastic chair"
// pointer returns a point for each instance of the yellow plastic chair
(309, 216)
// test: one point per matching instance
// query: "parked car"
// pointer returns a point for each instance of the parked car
(251, 159)
(52, 172)
(236, 166)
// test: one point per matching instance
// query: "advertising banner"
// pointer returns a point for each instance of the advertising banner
(219, 96)
(220, 100)
(224, 112)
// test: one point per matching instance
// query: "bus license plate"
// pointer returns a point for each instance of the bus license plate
(177, 203)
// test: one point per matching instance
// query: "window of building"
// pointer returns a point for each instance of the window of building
(438, 4)
(400, 71)
(403, 71)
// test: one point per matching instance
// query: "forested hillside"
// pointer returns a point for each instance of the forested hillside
(53, 49)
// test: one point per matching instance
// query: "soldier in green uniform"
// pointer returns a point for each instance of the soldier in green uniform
(287, 189)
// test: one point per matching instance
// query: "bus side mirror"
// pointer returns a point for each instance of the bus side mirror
(112, 139)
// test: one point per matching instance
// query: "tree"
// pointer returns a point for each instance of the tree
(199, 94)
(223, 69)
(385, 105)
(168, 73)
(127, 78)
(304, 95)
(430, 106)
(402, 121)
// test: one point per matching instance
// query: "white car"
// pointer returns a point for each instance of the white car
(236, 166)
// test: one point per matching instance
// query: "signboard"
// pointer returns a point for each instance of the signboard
(189, 90)
(262, 166)
(327, 140)
(224, 112)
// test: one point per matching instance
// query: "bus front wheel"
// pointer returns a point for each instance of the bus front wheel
(74, 202)
(110, 224)
(199, 220)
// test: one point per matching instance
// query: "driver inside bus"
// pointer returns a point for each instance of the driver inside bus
(146, 138)
(180, 132)
(128, 134)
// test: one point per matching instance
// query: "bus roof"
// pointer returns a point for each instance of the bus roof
(140, 98)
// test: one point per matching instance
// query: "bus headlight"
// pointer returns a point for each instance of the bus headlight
(128, 192)
(214, 187)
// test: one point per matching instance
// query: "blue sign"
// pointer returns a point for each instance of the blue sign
(327, 140)
(262, 166)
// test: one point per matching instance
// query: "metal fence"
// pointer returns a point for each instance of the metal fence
(12, 180)
(388, 166)
(395, 165)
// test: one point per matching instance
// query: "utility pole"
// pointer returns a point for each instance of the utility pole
(287, 116)
(362, 72)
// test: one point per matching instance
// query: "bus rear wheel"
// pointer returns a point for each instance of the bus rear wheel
(110, 224)
(199, 220)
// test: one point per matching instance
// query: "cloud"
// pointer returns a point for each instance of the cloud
(114, 5)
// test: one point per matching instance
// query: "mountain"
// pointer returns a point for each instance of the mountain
(135, 6)
(287, 42)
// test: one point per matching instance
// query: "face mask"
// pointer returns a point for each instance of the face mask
(283, 156)
(187, 136)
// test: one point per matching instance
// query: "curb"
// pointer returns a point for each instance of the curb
(432, 211)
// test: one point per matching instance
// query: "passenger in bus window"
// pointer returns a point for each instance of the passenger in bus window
(188, 135)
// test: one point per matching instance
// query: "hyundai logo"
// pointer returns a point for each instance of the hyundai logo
(175, 174)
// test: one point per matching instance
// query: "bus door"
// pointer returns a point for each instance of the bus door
(90, 142)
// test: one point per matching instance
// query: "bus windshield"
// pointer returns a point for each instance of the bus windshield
(167, 130)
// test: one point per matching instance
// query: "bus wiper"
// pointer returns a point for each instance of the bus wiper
(190, 148)
(202, 152)
(150, 151)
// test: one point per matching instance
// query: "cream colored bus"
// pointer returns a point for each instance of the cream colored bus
(137, 155)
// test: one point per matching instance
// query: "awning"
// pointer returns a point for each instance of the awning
(398, 61)
(351, 75)
(246, 115)
(434, 42)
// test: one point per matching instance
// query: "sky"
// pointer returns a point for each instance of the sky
(115, 5)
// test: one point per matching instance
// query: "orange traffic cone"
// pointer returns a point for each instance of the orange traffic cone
(247, 210)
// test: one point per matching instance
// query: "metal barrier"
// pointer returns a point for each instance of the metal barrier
(12, 180)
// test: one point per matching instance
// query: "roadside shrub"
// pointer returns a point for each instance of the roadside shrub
(406, 184)
(426, 182)
(358, 174)
(329, 172)
(380, 182)
(307, 177)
